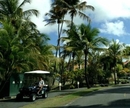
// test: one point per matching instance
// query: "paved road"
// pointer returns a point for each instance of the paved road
(12, 103)
(117, 97)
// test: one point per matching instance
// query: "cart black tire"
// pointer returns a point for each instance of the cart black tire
(45, 95)
(33, 97)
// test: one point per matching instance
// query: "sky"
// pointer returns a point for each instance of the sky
(111, 17)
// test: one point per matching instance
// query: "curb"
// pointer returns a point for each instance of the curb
(8, 97)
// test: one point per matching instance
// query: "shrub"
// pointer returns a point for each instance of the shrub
(72, 86)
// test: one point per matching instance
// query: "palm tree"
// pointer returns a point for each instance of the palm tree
(18, 56)
(115, 51)
(105, 62)
(86, 39)
(74, 7)
(127, 52)
(56, 17)
(59, 9)
(79, 59)
(22, 47)
(45, 55)
(71, 46)
(12, 11)
(90, 40)
(94, 66)
(13, 54)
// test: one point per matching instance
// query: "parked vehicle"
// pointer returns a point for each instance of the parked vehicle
(31, 90)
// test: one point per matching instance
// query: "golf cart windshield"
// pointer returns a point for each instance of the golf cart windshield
(31, 78)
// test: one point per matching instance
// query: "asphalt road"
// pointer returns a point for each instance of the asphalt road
(12, 103)
(112, 97)
(117, 97)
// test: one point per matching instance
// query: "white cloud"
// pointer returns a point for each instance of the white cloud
(106, 10)
(116, 28)
(117, 40)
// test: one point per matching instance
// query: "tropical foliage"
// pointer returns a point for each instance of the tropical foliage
(22, 46)
(83, 57)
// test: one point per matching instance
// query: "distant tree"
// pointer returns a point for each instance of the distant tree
(85, 39)
(115, 52)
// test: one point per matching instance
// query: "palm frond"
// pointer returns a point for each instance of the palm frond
(90, 7)
(50, 22)
(31, 12)
(24, 2)
(84, 16)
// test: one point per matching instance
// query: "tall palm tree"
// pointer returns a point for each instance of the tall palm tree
(56, 17)
(59, 9)
(74, 7)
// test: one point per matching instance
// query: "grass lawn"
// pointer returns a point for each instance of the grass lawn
(60, 100)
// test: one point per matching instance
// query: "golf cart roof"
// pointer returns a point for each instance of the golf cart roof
(37, 72)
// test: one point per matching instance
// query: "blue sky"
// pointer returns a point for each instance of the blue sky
(111, 17)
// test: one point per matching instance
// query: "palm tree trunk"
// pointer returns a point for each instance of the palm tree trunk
(69, 63)
(86, 75)
(115, 70)
(115, 75)
(60, 26)
(72, 18)
(73, 56)
(62, 67)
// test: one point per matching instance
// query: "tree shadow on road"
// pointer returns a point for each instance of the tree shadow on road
(124, 103)
(124, 89)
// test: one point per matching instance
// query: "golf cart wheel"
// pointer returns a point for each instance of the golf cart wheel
(19, 97)
(45, 95)
(33, 97)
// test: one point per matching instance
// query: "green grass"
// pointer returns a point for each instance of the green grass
(60, 100)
